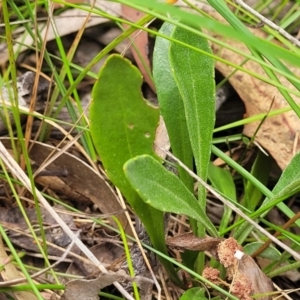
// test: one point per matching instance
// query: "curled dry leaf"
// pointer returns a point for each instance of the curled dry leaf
(278, 134)
(261, 284)
(188, 241)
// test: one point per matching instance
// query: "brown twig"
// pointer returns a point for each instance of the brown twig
(276, 234)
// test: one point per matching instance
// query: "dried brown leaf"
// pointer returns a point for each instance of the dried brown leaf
(278, 134)
(261, 284)
(88, 289)
(188, 241)
(12, 219)
(81, 184)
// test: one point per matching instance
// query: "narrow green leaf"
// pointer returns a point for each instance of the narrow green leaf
(196, 293)
(164, 191)
(123, 125)
(245, 228)
(258, 52)
(269, 253)
(194, 75)
(287, 185)
(170, 103)
(222, 180)
(260, 170)
(290, 177)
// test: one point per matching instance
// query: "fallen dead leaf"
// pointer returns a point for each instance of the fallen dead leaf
(12, 219)
(81, 184)
(107, 253)
(279, 135)
(89, 289)
(261, 284)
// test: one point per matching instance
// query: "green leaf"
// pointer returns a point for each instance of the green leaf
(290, 178)
(170, 103)
(245, 228)
(123, 126)
(269, 253)
(194, 75)
(287, 185)
(195, 293)
(260, 170)
(222, 181)
(258, 52)
(164, 191)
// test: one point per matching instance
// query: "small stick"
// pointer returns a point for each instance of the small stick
(268, 22)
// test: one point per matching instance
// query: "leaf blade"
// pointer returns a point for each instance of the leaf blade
(195, 81)
(127, 131)
(170, 102)
(164, 191)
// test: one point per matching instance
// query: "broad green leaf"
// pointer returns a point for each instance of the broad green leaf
(269, 253)
(171, 105)
(123, 126)
(223, 182)
(164, 191)
(194, 75)
(195, 293)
